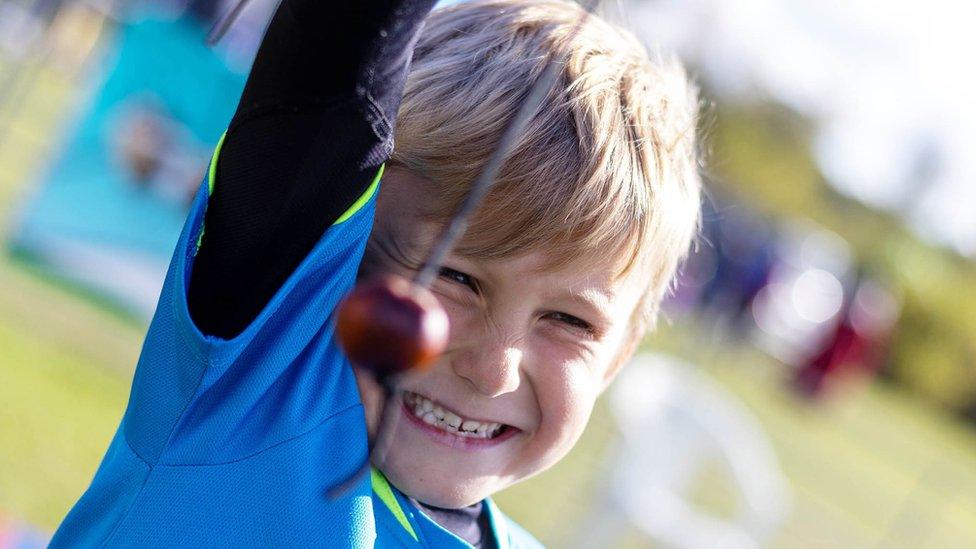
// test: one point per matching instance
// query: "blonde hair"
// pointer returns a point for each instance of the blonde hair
(607, 167)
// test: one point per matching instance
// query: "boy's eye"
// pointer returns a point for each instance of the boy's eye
(459, 278)
(573, 321)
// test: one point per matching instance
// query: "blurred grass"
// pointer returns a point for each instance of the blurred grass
(877, 468)
(62, 398)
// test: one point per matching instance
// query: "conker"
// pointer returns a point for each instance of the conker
(391, 325)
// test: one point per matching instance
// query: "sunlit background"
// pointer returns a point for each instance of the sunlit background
(813, 381)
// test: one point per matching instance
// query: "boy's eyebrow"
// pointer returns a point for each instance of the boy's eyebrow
(406, 248)
(396, 250)
(597, 300)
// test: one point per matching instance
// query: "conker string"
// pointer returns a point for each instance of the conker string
(224, 23)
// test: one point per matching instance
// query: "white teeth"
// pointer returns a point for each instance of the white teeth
(452, 419)
(448, 421)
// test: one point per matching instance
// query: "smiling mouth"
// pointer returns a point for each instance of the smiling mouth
(437, 416)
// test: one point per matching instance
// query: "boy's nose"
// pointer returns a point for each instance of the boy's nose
(492, 369)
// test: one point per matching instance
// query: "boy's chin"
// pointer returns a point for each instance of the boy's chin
(434, 486)
(436, 474)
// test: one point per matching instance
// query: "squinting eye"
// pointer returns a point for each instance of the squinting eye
(460, 278)
(572, 321)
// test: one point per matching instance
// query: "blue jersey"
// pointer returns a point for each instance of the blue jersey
(234, 443)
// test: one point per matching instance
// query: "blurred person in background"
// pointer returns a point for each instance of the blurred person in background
(857, 346)
(741, 247)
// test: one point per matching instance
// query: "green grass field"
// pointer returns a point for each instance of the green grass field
(873, 469)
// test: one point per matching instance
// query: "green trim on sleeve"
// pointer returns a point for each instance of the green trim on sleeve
(212, 172)
(382, 488)
(211, 180)
(358, 205)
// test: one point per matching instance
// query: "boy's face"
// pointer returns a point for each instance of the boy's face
(530, 350)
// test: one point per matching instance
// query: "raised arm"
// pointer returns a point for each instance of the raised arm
(313, 126)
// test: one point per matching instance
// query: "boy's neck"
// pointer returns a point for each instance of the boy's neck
(468, 523)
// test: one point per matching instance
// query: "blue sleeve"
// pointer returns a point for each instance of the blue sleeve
(234, 442)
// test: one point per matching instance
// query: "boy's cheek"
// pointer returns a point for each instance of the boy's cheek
(566, 409)
(466, 325)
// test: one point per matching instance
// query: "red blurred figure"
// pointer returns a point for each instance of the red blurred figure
(857, 345)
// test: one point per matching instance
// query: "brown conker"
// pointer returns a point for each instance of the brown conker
(391, 325)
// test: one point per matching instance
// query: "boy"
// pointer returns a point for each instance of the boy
(243, 410)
